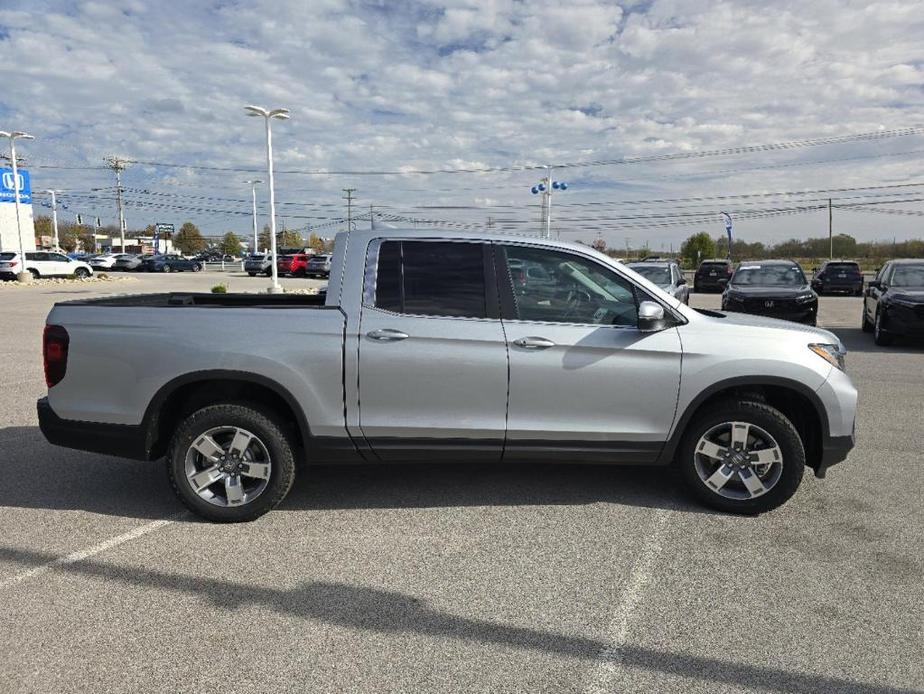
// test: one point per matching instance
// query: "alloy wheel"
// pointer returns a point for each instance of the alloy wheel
(738, 460)
(228, 466)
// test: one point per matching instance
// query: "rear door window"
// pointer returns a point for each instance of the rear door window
(431, 278)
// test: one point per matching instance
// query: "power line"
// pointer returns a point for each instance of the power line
(728, 151)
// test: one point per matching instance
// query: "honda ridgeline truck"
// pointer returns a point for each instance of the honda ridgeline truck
(444, 347)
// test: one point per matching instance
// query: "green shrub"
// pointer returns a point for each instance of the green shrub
(220, 289)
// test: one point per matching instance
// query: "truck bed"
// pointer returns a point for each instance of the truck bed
(207, 300)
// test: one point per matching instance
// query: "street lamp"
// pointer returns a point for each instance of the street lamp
(54, 215)
(17, 135)
(253, 192)
(268, 115)
(546, 186)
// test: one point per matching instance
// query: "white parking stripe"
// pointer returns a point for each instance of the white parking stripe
(87, 553)
(603, 678)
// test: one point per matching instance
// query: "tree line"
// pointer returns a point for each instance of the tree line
(187, 240)
(701, 246)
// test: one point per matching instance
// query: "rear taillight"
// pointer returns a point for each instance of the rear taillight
(54, 349)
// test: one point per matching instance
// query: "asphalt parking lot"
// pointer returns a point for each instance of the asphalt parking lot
(544, 578)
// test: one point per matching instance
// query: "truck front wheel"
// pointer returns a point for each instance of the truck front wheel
(742, 457)
(230, 463)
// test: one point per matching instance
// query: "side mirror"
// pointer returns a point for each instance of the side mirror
(650, 317)
(682, 280)
(874, 284)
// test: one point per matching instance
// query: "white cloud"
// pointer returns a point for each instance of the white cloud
(397, 86)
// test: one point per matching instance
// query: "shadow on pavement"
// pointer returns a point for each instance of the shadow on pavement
(858, 341)
(395, 613)
(39, 475)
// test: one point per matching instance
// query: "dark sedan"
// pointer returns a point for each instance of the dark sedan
(838, 276)
(894, 302)
(170, 263)
(773, 288)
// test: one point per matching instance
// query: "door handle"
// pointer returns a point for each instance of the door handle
(387, 335)
(533, 343)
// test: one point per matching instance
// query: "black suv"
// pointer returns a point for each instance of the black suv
(894, 301)
(712, 275)
(838, 276)
(774, 288)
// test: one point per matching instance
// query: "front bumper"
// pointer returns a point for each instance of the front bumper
(803, 315)
(839, 399)
(904, 320)
(124, 440)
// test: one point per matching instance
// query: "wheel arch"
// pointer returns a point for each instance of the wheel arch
(183, 395)
(799, 403)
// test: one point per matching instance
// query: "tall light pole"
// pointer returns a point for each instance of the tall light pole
(54, 215)
(268, 115)
(546, 186)
(253, 193)
(17, 135)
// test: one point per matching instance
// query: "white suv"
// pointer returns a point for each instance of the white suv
(42, 264)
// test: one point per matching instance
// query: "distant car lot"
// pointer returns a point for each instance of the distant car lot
(551, 578)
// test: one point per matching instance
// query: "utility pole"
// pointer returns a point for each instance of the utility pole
(371, 217)
(54, 215)
(118, 165)
(349, 198)
(253, 195)
(830, 232)
(627, 248)
(491, 223)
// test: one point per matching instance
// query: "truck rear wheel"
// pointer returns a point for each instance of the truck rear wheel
(742, 457)
(230, 463)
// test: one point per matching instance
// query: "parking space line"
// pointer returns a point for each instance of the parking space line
(617, 634)
(89, 552)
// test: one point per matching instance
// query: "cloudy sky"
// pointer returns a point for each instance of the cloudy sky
(479, 84)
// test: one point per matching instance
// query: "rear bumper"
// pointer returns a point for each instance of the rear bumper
(124, 440)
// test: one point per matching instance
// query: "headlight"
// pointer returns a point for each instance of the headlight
(833, 354)
(805, 298)
(731, 296)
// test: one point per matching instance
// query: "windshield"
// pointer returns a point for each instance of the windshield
(909, 276)
(769, 276)
(655, 274)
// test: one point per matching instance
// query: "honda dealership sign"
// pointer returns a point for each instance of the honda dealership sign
(8, 186)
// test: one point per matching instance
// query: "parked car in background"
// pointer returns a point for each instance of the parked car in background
(894, 301)
(295, 264)
(170, 263)
(259, 264)
(42, 264)
(712, 275)
(774, 288)
(667, 275)
(128, 261)
(421, 350)
(835, 276)
(318, 266)
(104, 261)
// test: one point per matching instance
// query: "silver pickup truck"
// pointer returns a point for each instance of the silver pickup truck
(442, 347)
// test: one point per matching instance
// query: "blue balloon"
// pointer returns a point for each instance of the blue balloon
(555, 185)
(541, 186)
(563, 186)
(534, 190)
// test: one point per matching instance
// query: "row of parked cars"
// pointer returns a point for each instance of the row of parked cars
(293, 264)
(893, 302)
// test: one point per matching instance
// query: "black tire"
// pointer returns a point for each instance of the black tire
(880, 336)
(865, 325)
(252, 274)
(35, 273)
(81, 273)
(268, 272)
(264, 425)
(165, 268)
(196, 267)
(767, 418)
